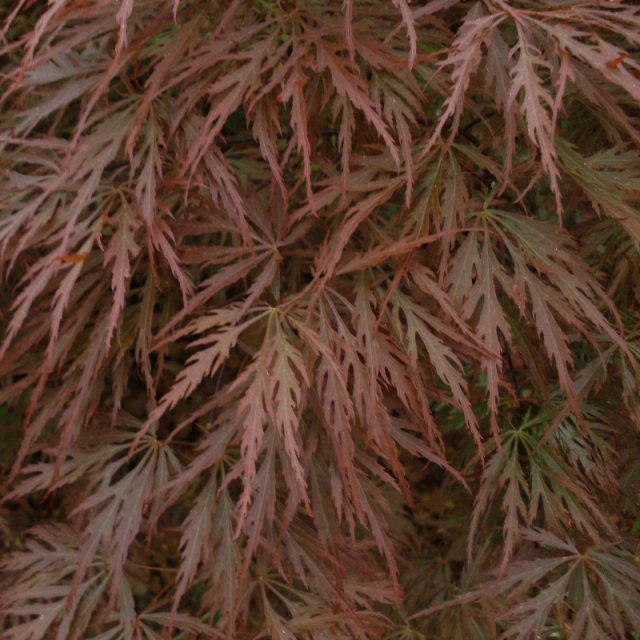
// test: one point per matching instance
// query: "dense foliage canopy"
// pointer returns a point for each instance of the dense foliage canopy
(319, 319)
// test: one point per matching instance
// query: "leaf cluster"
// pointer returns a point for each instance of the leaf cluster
(319, 319)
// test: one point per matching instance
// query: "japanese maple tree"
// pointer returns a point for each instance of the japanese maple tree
(319, 319)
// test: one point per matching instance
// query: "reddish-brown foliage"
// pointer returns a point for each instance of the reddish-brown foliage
(319, 319)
